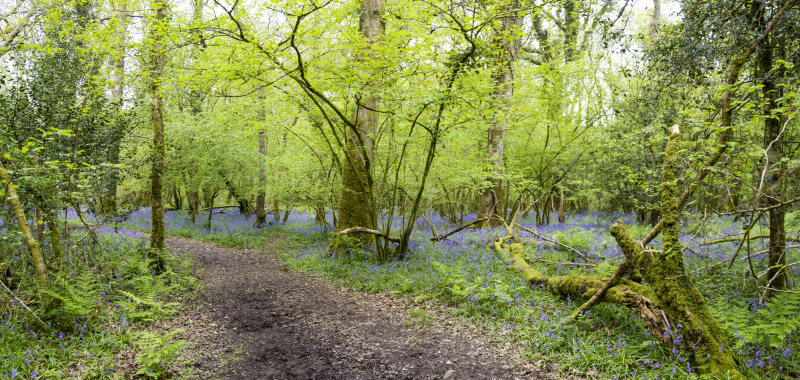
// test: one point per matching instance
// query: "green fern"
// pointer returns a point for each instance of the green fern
(770, 325)
(157, 350)
(79, 297)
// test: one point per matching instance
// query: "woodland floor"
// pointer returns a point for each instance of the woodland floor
(255, 318)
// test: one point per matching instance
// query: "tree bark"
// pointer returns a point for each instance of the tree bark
(357, 202)
(158, 58)
(561, 217)
(55, 238)
(319, 214)
(261, 212)
(655, 20)
(506, 42)
(194, 204)
(27, 235)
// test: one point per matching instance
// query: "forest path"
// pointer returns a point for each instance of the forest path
(294, 325)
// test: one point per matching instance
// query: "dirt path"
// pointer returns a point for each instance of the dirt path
(293, 325)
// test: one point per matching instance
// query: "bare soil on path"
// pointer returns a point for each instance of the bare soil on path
(258, 319)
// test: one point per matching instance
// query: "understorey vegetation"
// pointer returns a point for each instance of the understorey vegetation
(465, 275)
(611, 186)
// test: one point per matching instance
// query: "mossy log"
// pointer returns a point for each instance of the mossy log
(633, 295)
(673, 308)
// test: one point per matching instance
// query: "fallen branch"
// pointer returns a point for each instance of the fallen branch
(356, 230)
(433, 228)
(446, 234)
(530, 231)
(624, 267)
(739, 238)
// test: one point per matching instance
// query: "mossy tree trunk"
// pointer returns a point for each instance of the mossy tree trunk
(55, 239)
(672, 307)
(357, 202)
(27, 235)
(158, 62)
(681, 301)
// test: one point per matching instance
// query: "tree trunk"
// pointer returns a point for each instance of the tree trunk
(261, 206)
(319, 214)
(55, 238)
(664, 271)
(672, 307)
(158, 57)
(261, 212)
(655, 20)
(194, 204)
(276, 210)
(27, 235)
(776, 274)
(38, 221)
(357, 202)
(286, 214)
(108, 200)
(506, 41)
(244, 208)
(561, 218)
(176, 194)
(211, 211)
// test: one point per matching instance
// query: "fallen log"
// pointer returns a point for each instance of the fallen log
(635, 296)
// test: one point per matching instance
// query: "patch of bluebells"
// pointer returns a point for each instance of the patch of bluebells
(35, 352)
(79, 347)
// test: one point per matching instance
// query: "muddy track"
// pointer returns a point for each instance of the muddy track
(293, 325)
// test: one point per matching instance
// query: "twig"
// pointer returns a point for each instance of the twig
(528, 230)
(779, 290)
(433, 228)
(216, 207)
(716, 265)
(446, 234)
(23, 304)
(752, 237)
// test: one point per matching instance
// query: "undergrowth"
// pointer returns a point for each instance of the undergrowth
(611, 342)
(467, 278)
(105, 302)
